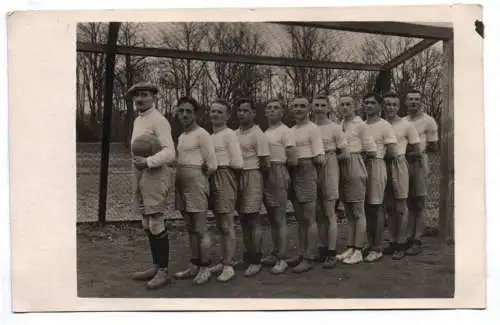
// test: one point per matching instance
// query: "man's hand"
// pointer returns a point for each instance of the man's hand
(140, 163)
(319, 160)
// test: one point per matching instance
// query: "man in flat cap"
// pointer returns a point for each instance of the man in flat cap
(154, 178)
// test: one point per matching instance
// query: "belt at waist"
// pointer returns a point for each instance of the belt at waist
(189, 166)
(279, 163)
(330, 151)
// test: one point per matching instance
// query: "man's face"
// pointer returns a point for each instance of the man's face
(274, 111)
(371, 106)
(413, 102)
(346, 106)
(245, 113)
(218, 114)
(391, 106)
(300, 108)
(186, 114)
(143, 100)
(320, 107)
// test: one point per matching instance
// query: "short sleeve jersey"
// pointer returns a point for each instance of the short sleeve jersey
(332, 136)
(426, 127)
(279, 138)
(357, 135)
(227, 148)
(406, 134)
(308, 140)
(383, 134)
(253, 144)
(196, 148)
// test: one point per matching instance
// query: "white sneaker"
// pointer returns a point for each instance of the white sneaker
(188, 273)
(227, 274)
(374, 256)
(252, 270)
(354, 258)
(280, 267)
(217, 268)
(348, 252)
(160, 279)
(203, 276)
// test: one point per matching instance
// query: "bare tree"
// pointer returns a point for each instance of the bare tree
(91, 69)
(314, 44)
(421, 72)
(185, 74)
(232, 80)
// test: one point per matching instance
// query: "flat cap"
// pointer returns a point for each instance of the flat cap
(142, 86)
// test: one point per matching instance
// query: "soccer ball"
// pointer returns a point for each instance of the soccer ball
(145, 145)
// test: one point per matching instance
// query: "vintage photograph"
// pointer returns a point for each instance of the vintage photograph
(280, 159)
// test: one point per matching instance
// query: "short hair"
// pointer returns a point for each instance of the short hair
(344, 95)
(276, 100)
(223, 103)
(414, 91)
(246, 101)
(189, 100)
(374, 95)
(321, 97)
(304, 97)
(391, 94)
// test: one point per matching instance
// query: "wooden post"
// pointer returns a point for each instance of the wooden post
(108, 109)
(447, 190)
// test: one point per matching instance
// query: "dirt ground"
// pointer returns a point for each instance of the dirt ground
(108, 255)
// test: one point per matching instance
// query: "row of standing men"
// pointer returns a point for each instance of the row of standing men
(377, 168)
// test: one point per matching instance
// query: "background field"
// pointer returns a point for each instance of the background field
(108, 254)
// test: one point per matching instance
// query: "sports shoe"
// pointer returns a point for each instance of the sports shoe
(160, 279)
(330, 262)
(374, 256)
(398, 254)
(294, 261)
(203, 276)
(217, 268)
(390, 249)
(304, 266)
(269, 260)
(252, 270)
(280, 267)
(188, 273)
(348, 252)
(415, 248)
(146, 274)
(355, 258)
(227, 274)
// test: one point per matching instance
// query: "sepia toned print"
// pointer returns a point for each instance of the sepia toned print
(171, 203)
(242, 67)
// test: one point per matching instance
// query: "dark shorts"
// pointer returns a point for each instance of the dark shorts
(152, 188)
(276, 185)
(250, 192)
(353, 178)
(304, 181)
(328, 178)
(192, 189)
(397, 178)
(223, 185)
(417, 170)
(377, 181)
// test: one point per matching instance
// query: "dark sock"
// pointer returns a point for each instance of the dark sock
(195, 261)
(331, 252)
(152, 247)
(322, 251)
(246, 257)
(162, 248)
(257, 259)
